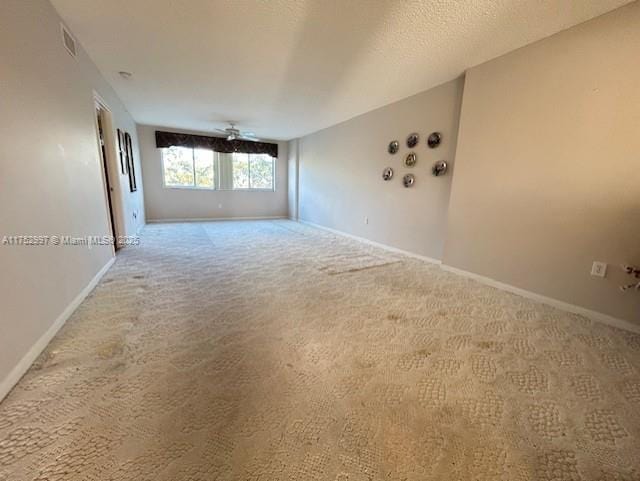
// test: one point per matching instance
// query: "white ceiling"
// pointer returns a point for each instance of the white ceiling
(285, 68)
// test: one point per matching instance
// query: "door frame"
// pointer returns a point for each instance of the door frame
(112, 175)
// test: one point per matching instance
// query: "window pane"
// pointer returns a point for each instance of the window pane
(204, 168)
(261, 171)
(178, 166)
(240, 171)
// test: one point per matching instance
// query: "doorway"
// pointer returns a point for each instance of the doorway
(102, 122)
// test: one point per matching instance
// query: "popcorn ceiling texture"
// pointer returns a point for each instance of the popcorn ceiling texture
(274, 351)
(286, 68)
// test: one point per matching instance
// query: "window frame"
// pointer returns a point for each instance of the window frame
(257, 189)
(193, 169)
(216, 174)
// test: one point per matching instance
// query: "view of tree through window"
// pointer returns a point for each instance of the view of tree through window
(240, 171)
(205, 169)
(178, 166)
(261, 170)
(252, 171)
(186, 167)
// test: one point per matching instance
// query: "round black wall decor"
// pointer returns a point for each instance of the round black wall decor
(394, 146)
(434, 140)
(412, 140)
(387, 173)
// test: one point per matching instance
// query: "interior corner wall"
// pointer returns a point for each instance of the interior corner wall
(340, 173)
(548, 166)
(51, 180)
(292, 179)
(171, 204)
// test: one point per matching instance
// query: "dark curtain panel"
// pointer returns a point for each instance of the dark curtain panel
(217, 144)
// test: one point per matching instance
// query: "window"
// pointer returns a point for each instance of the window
(240, 171)
(203, 166)
(260, 171)
(186, 167)
(205, 169)
(246, 171)
(252, 171)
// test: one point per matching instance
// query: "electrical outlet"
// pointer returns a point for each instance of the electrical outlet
(366, 219)
(599, 269)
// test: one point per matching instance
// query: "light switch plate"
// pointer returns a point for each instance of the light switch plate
(599, 269)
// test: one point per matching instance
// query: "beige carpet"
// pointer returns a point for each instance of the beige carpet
(274, 351)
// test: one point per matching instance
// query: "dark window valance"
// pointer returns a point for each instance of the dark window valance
(217, 144)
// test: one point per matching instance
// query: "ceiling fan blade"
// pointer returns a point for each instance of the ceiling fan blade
(252, 139)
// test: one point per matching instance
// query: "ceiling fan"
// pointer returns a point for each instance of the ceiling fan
(235, 134)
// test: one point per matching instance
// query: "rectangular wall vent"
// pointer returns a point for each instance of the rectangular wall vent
(68, 41)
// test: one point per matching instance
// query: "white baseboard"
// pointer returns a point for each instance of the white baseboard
(591, 314)
(212, 219)
(27, 360)
(372, 243)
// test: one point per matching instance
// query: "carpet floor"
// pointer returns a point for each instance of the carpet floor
(270, 350)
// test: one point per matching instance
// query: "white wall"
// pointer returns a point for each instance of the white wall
(50, 176)
(130, 204)
(548, 166)
(292, 179)
(163, 203)
(340, 173)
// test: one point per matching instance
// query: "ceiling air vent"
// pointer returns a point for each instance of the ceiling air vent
(68, 41)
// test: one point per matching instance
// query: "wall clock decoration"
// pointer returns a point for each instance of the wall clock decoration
(439, 168)
(434, 140)
(412, 140)
(408, 180)
(410, 160)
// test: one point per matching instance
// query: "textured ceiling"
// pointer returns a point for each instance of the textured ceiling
(284, 68)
